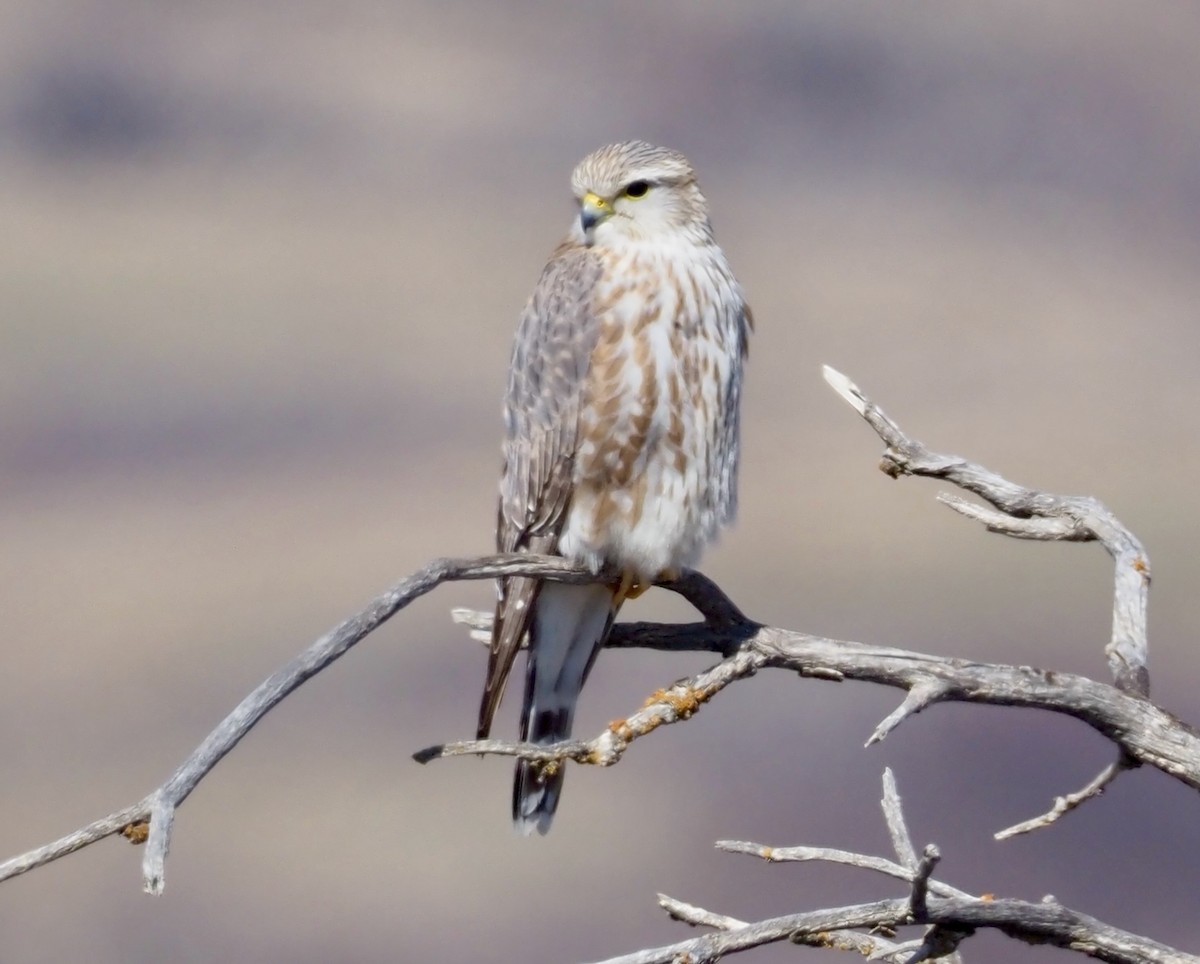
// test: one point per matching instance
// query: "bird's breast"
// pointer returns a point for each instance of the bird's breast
(656, 454)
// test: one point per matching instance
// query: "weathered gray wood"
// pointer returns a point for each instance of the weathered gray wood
(1148, 733)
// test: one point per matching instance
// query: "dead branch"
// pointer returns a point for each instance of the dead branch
(1029, 514)
(1146, 732)
(951, 917)
(158, 808)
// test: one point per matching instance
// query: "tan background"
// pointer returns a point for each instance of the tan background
(259, 269)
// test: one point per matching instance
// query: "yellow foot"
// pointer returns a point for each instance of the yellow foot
(630, 588)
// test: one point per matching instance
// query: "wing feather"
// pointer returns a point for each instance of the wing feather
(550, 360)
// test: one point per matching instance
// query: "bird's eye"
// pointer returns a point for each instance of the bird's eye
(637, 189)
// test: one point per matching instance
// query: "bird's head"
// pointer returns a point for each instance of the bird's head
(636, 191)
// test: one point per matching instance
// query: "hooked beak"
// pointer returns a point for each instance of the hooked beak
(592, 210)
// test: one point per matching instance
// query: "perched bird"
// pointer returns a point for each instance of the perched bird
(621, 444)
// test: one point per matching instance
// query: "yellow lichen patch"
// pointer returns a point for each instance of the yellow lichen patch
(136, 832)
(658, 696)
(683, 703)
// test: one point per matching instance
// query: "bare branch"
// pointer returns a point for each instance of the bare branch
(1029, 514)
(167, 798)
(671, 705)
(953, 919)
(1059, 926)
(1146, 732)
(159, 807)
(799, 928)
(1025, 921)
(115, 822)
(1024, 513)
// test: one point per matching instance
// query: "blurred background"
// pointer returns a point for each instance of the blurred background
(261, 265)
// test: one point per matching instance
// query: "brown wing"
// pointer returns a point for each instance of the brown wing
(541, 414)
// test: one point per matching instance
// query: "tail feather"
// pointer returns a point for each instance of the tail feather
(568, 629)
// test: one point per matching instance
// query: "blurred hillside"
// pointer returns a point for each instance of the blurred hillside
(259, 275)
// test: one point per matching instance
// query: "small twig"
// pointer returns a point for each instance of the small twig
(1065, 804)
(697, 916)
(782, 855)
(930, 857)
(921, 696)
(1034, 528)
(893, 815)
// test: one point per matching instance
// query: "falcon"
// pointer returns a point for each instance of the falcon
(621, 430)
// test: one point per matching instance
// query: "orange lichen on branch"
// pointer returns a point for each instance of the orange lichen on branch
(136, 832)
(622, 730)
(684, 702)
